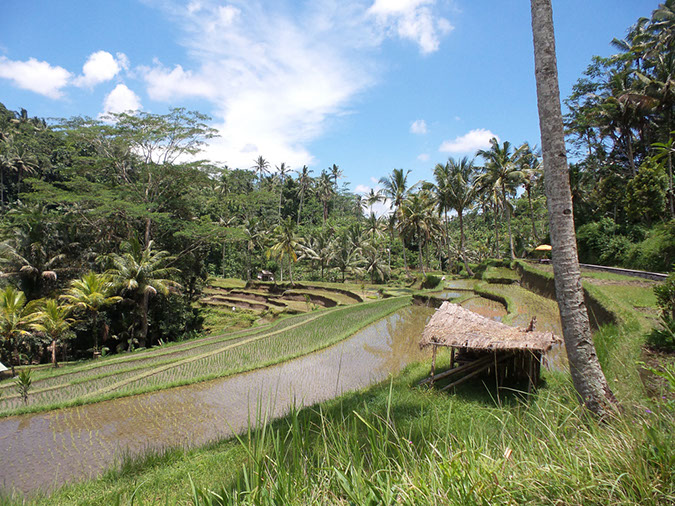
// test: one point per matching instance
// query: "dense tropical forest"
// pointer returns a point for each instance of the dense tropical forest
(111, 226)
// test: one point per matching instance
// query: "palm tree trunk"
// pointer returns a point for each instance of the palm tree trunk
(534, 230)
(302, 197)
(507, 207)
(419, 251)
(144, 320)
(148, 224)
(461, 243)
(587, 374)
(405, 260)
(671, 193)
(95, 333)
(54, 363)
(498, 252)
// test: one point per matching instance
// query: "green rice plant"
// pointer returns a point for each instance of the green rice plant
(23, 383)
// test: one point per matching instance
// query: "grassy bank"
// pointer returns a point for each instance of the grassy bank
(396, 443)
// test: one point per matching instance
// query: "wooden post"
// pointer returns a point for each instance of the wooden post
(452, 358)
(433, 364)
(497, 378)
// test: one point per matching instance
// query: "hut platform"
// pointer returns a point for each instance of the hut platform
(481, 345)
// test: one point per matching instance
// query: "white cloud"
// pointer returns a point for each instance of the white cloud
(418, 127)
(100, 67)
(37, 76)
(423, 157)
(276, 76)
(413, 20)
(165, 85)
(121, 99)
(468, 143)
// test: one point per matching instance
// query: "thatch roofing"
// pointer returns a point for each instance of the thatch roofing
(457, 327)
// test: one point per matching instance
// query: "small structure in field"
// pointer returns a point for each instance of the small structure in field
(480, 345)
(265, 276)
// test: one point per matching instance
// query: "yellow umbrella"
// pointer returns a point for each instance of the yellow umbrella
(543, 247)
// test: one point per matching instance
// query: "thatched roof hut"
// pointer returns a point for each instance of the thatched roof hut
(457, 327)
(485, 345)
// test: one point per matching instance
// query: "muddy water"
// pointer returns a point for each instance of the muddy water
(42, 451)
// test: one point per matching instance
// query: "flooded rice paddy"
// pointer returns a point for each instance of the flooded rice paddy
(486, 307)
(42, 451)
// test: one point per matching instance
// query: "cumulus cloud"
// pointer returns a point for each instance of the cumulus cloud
(100, 67)
(469, 142)
(277, 76)
(423, 157)
(36, 76)
(413, 20)
(418, 127)
(121, 99)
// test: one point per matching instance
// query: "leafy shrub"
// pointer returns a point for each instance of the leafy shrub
(665, 296)
(656, 252)
(663, 338)
(593, 240)
(431, 281)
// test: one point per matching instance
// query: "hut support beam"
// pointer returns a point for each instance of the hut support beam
(433, 364)
(474, 373)
(463, 368)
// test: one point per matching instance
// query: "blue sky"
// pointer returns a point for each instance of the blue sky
(370, 85)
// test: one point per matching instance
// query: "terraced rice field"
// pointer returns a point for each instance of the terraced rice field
(198, 360)
(260, 297)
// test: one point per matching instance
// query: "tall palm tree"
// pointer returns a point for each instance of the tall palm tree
(15, 320)
(460, 195)
(304, 183)
(335, 174)
(531, 168)
(396, 188)
(261, 167)
(285, 243)
(252, 234)
(374, 264)
(325, 192)
(318, 247)
(503, 174)
(373, 197)
(587, 374)
(347, 255)
(417, 219)
(91, 293)
(282, 172)
(52, 319)
(142, 273)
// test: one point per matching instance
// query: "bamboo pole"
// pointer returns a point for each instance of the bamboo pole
(433, 364)
(471, 375)
(463, 368)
